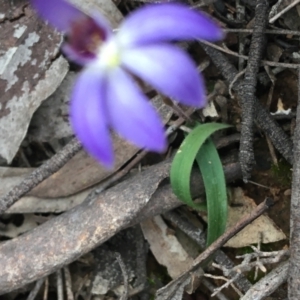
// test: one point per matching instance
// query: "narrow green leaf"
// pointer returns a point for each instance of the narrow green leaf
(183, 161)
(213, 176)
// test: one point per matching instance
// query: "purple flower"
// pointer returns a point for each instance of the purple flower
(105, 95)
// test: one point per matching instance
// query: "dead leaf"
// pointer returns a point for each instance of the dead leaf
(12, 231)
(51, 120)
(30, 71)
(274, 52)
(280, 109)
(29, 204)
(210, 110)
(9, 177)
(106, 7)
(252, 233)
(82, 172)
(165, 247)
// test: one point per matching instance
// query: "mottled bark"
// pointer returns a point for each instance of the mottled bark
(247, 88)
(294, 268)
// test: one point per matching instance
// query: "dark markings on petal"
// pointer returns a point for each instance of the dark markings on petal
(86, 37)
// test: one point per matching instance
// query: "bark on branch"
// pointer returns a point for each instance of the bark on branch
(76, 232)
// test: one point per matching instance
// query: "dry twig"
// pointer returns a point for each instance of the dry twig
(268, 284)
(68, 283)
(268, 31)
(204, 257)
(59, 285)
(228, 282)
(220, 257)
(36, 289)
(40, 174)
(46, 289)
(212, 288)
(263, 62)
(294, 269)
(294, 3)
(259, 210)
(125, 277)
(280, 140)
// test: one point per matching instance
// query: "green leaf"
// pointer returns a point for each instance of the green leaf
(181, 172)
(213, 176)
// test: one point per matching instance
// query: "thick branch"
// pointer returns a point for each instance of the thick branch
(70, 235)
(247, 88)
(294, 268)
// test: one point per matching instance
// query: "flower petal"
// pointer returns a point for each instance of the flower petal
(75, 55)
(131, 114)
(169, 70)
(59, 13)
(88, 115)
(166, 22)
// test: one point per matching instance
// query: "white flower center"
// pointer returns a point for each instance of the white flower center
(110, 54)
